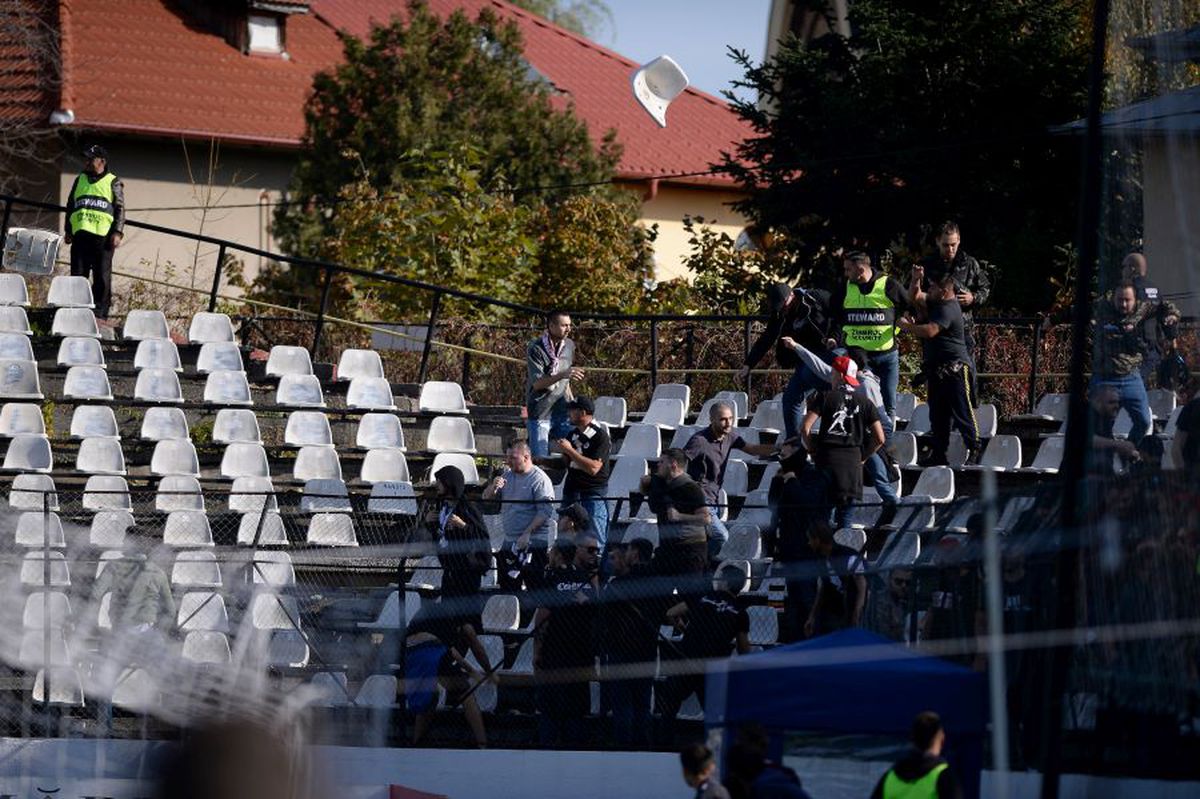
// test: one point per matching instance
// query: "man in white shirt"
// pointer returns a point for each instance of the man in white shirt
(527, 511)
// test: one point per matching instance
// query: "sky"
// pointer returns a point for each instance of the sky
(693, 32)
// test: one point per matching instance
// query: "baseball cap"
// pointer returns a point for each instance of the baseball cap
(584, 404)
(847, 368)
(95, 151)
(777, 295)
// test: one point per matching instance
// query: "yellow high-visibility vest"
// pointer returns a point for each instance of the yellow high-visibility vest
(93, 203)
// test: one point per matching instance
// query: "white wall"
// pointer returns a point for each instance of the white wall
(1171, 198)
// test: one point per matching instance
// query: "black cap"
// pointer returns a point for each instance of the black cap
(95, 151)
(777, 295)
(584, 404)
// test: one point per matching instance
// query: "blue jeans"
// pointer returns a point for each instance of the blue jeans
(597, 508)
(1132, 393)
(718, 534)
(541, 431)
(801, 384)
(886, 366)
(877, 471)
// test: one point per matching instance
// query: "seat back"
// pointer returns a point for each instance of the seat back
(80, 351)
(641, 441)
(332, 530)
(359, 363)
(210, 327)
(69, 291)
(19, 380)
(75, 322)
(665, 412)
(227, 387)
(463, 462)
(143, 325)
(157, 353)
(1050, 454)
(21, 418)
(679, 391)
(158, 385)
(440, 396)
(175, 456)
(317, 462)
(392, 496)
(300, 390)
(179, 492)
(384, 466)
(612, 411)
(451, 434)
(1003, 452)
(326, 495)
(236, 425)
(219, 356)
(165, 424)
(937, 483)
(370, 393)
(187, 528)
(264, 528)
(100, 456)
(285, 359)
(919, 424)
(379, 431)
(308, 429)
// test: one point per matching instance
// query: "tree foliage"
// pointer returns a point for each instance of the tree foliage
(930, 110)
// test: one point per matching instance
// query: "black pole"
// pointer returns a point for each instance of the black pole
(212, 297)
(1076, 449)
(746, 351)
(689, 353)
(320, 323)
(469, 343)
(653, 354)
(1035, 352)
(434, 308)
(4, 224)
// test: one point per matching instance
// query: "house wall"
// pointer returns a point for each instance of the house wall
(1171, 203)
(668, 208)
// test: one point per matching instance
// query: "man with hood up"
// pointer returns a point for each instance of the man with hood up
(460, 535)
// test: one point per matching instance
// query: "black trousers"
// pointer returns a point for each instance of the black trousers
(951, 403)
(93, 255)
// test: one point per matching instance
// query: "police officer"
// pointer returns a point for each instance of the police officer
(923, 773)
(95, 224)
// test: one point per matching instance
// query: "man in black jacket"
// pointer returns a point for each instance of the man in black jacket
(629, 618)
(972, 286)
(924, 772)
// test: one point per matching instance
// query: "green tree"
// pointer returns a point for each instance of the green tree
(931, 109)
(585, 17)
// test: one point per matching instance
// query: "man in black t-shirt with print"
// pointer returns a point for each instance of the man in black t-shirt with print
(587, 448)
(947, 366)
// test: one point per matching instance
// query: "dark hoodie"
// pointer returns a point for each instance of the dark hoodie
(916, 765)
(464, 553)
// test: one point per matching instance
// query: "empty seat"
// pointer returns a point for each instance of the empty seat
(370, 393)
(219, 356)
(379, 691)
(501, 613)
(392, 496)
(463, 462)
(451, 434)
(236, 425)
(13, 290)
(389, 615)
(108, 528)
(1049, 456)
(905, 403)
(679, 391)
(756, 510)
(768, 417)
(1050, 408)
(666, 413)
(332, 530)
(751, 436)
(427, 574)
(210, 327)
(920, 424)
(641, 441)
(187, 528)
(19, 380)
(17, 347)
(274, 612)
(354, 364)
(13, 319)
(196, 570)
(202, 610)
(100, 456)
(106, 492)
(175, 457)
(74, 322)
(158, 385)
(325, 495)
(383, 466)
(935, 485)
(35, 529)
(379, 431)
(251, 493)
(66, 688)
(70, 291)
(612, 411)
(33, 565)
(768, 474)
(745, 542)
(94, 421)
(330, 689)
(157, 353)
(28, 454)
(851, 537)
(33, 492)
(178, 492)
(300, 390)
(313, 463)
(87, 382)
(308, 429)
(441, 396)
(165, 424)
(206, 646)
(987, 418)
(46, 608)
(245, 460)
(1002, 454)
(264, 529)
(21, 418)
(143, 325)
(33, 651)
(287, 649)
(904, 448)
(737, 478)
(272, 568)
(227, 388)
(284, 359)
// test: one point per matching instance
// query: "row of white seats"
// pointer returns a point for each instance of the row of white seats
(66, 291)
(1053, 407)
(266, 567)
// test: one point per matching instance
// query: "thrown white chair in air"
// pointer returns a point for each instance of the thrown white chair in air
(236, 425)
(35, 529)
(13, 319)
(13, 290)
(392, 496)
(300, 390)
(16, 347)
(108, 528)
(317, 462)
(251, 494)
(612, 411)
(384, 466)
(379, 431)
(21, 418)
(100, 456)
(331, 530)
(460, 460)
(94, 421)
(285, 359)
(440, 396)
(27, 453)
(80, 351)
(88, 383)
(354, 364)
(641, 441)
(175, 456)
(325, 495)
(165, 424)
(210, 327)
(157, 353)
(450, 434)
(106, 492)
(158, 385)
(19, 380)
(187, 528)
(227, 388)
(243, 459)
(178, 492)
(264, 529)
(33, 492)
(196, 569)
(219, 356)
(75, 322)
(70, 291)
(144, 325)
(308, 429)
(656, 84)
(370, 393)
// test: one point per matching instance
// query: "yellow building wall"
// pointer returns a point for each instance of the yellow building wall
(668, 208)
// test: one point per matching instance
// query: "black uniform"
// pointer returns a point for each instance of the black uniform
(948, 366)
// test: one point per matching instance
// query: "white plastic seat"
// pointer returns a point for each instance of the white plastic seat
(1002, 454)
(227, 388)
(94, 421)
(308, 429)
(987, 418)
(285, 359)
(756, 510)
(70, 291)
(641, 441)
(66, 688)
(236, 426)
(267, 526)
(46, 608)
(202, 610)
(143, 325)
(737, 478)
(427, 574)
(935, 485)
(175, 457)
(1049, 456)
(331, 530)
(157, 353)
(32, 570)
(745, 542)
(165, 424)
(501, 613)
(963, 511)
(378, 691)
(245, 460)
(667, 413)
(379, 431)
(679, 391)
(463, 462)
(451, 434)
(389, 615)
(370, 393)
(354, 364)
(851, 537)
(317, 462)
(19, 380)
(683, 434)
(106, 492)
(33, 652)
(751, 436)
(904, 448)
(900, 550)
(384, 466)
(252, 493)
(178, 492)
(88, 383)
(187, 528)
(21, 418)
(1013, 510)
(920, 423)
(441, 396)
(158, 385)
(80, 351)
(764, 625)
(956, 451)
(626, 477)
(33, 492)
(28, 453)
(906, 402)
(330, 689)
(325, 495)
(16, 347)
(34, 527)
(300, 390)
(196, 570)
(74, 322)
(100, 456)
(274, 612)
(272, 568)
(13, 319)
(287, 649)
(1162, 402)
(392, 496)
(656, 84)
(210, 327)
(219, 356)
(1049, 408)
(206, 647)
(13, 290)
(108, 528)
(764, 482)
(612, 411)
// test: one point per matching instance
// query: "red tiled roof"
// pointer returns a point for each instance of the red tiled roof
(141, 66)
(25, 93)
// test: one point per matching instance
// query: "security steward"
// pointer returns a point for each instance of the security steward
(923, 773)
(95, 224)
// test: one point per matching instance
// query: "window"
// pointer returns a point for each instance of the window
(266, 34)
